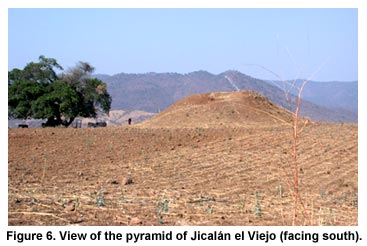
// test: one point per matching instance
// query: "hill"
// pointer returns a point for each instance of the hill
(221, 158)
(154, 92)
(219, 109)
(335, 94)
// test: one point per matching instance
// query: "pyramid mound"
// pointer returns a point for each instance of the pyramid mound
(221, 109)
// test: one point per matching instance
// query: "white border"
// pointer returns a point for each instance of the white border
(362, 100)
(183, 4)
(362, 61)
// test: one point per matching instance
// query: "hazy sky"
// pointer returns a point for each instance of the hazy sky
(291, 42)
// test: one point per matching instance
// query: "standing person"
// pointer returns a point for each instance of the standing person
(129, 121)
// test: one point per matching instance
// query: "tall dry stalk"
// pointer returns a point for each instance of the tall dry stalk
(293, 185)
(296, 194)
(297, 197)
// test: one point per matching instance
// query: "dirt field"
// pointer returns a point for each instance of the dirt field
(144, 175)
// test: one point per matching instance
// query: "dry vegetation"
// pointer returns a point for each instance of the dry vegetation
(213, 159)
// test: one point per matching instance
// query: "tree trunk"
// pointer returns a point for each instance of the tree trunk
(67, 123)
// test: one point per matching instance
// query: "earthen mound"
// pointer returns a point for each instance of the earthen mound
(222, 109)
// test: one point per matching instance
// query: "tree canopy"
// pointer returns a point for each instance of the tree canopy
(39, 92)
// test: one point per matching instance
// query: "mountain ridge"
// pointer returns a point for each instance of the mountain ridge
(331, 94)
(154, 92)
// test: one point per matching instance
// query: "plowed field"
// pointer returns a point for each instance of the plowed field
(181, 176)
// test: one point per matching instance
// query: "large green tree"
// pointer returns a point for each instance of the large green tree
(39, 92)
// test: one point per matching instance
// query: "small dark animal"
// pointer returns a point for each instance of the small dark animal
(101, 124)
(91, 124)
(129, 121)
(97, 124)
(22, 126)
(49, 123)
